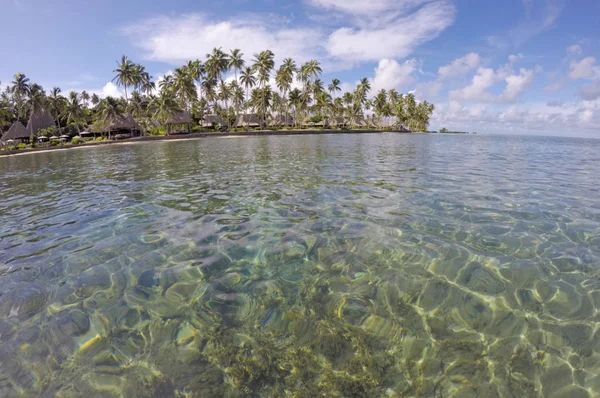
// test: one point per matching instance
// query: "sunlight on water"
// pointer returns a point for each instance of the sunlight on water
(339, 266)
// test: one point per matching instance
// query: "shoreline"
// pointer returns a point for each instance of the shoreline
(236, 134)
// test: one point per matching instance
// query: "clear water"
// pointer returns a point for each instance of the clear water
(338, 266)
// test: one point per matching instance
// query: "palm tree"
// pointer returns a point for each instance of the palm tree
(164, 106)
(19, 89)
(314, 69)
(184, 87)
(73, 112)
(166, 84)
(285, 78)
(95, 99)
(295, 99)
(56, 104)
(126, 74)
(334, 87)
(85, 97)
(263, 65)
(236, 61)
(109, 109)
(217, 64)
(248, 79)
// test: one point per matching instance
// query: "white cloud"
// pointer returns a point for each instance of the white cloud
(583, 69)
(554, 87)
(515, 57)
(390, 74)
(181, 38)
(362, 8)
(555, 104)
(486, 78)
(591, 91)
(575, 49)
(476, 91)
(460, 66)
(397, 38)
(516, 84)
(428, 90)
(109, 90)
(583, 117)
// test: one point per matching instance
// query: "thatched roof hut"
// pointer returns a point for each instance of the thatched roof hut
(213, 120)
(16, 132)
(282, 120)
(125, 122)
(322, 123)
(40, 119)
(248, 120)
(337, 122)
(181, 118)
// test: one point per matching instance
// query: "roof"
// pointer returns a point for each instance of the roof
(126, 122)
(181, 117)
(40, 119)
(213, 119)
(16, 132)
(282, 120)
(248, 120)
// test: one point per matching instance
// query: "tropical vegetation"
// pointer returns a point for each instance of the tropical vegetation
(225, 84)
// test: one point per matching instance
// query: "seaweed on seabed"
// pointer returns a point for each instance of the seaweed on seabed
(260, 363)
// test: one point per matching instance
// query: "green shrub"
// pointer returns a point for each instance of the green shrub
(76, 141)
(21, 146)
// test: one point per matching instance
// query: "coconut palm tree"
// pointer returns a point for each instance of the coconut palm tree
(95, 99)
(108, 110)
(334, 87)
(19, 89)
(56, 104)
(217, 64)
(184, 87)
(284, 79)
(295, 99)
(126, 74)
(236, 61)
(263, 65)
(73, 111)
(248, 80)
(164, 106)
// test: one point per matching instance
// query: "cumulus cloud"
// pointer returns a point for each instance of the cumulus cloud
(516, 84)
(373, 31)
(583, 69)
(178, 39)
(397, 38)
(390, 74)
(428, 90)
(476, 91)
(575, 49)
(362, 8)
(529, 118)
(591, 91)
(460, 66)
(486, 78)
(110, 90)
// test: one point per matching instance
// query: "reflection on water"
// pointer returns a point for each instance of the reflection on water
(338, 266)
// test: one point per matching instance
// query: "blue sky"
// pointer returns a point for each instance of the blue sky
(510, 66)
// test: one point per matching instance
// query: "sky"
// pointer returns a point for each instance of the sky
(490, 66)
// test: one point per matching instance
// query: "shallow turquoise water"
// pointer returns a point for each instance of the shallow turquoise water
(339, 265)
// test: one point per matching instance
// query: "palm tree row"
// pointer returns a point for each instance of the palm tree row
(222, 84)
